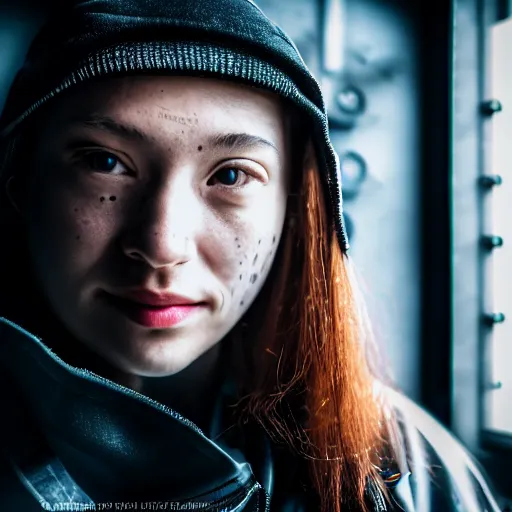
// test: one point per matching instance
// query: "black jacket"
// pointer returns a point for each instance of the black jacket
(75, 441)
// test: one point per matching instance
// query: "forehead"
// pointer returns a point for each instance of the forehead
(212, 101)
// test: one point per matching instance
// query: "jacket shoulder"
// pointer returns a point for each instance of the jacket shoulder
(438, 472)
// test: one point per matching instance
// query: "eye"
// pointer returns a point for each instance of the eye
(102, 161)
(231, 177)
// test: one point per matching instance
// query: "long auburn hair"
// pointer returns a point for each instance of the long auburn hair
(309, 380)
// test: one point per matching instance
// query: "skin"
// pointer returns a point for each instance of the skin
(119, 209)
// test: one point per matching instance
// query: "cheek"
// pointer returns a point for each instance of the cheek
(243, 265)
(70, 231)
(254, 273)
(245, 254)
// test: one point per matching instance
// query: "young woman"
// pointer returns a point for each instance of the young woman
(181, 328)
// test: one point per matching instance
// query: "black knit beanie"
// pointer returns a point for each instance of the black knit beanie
(229, 39)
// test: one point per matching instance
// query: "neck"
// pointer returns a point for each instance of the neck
(191, 392)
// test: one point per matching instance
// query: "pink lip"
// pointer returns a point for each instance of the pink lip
(150, 298)
(155, 310)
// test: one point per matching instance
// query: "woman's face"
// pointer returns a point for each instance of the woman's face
(156, 208)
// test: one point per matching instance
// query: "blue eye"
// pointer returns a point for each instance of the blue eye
(228, 176)
(101, 161)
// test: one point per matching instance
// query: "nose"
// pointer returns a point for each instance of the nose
(162, 232)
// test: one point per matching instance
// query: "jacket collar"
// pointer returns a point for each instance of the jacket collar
(118, 444)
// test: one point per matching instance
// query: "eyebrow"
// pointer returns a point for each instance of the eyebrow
(108, 124)
(231, 141)
(240, 141)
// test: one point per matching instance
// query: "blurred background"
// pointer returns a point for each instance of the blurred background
(420, 104)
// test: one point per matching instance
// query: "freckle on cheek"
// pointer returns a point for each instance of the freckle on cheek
(242, 303)
(240, 277)
(102, 199)
(199, 148)
(274, 239)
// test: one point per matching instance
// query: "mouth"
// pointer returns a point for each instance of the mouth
(154, 316)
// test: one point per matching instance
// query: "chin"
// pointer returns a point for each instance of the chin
(151, 358)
